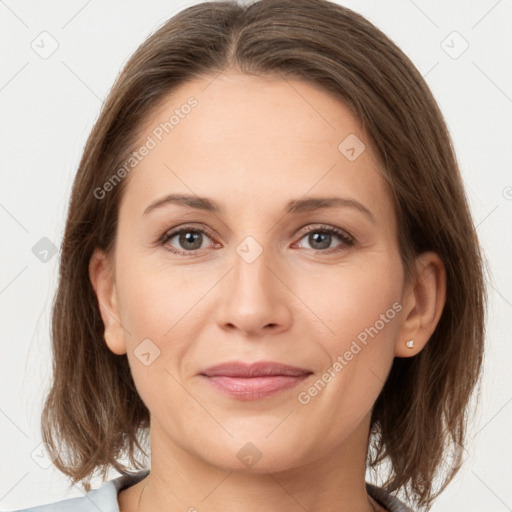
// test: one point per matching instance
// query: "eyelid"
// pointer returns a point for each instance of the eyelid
(326, 227)
(183, 227)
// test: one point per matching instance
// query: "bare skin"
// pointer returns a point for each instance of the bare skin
(253, 144)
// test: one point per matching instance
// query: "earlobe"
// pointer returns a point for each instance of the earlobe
(424, 303)
(114, 343)
(102, 279)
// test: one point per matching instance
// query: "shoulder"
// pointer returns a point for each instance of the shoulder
(104, 498)
(390, 502)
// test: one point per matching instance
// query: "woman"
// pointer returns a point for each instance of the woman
(263, 366)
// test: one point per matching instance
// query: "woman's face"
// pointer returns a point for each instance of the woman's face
(262, 274)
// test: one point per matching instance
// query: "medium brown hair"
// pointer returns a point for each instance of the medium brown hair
(93, 415)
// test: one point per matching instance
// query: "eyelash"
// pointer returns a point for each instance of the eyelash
(342, 235)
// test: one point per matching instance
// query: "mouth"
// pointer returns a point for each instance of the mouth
(254, 381)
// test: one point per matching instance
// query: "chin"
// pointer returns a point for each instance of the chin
(254, 454)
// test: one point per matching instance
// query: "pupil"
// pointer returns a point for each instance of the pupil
(323, 237)
(189, 238)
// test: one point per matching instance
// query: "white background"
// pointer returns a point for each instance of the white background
(49, 106)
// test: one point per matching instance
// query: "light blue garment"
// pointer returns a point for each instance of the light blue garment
(104, 499)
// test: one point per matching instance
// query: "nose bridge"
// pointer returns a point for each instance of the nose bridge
(254, 297)
(251, 280)
(251, 274)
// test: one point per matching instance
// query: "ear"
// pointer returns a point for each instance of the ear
(101, 274)
(424, 300)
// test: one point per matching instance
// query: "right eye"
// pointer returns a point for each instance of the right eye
(189, 238)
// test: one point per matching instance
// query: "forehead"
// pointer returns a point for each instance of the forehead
(233, 136)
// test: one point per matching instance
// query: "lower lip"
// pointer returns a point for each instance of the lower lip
(254, 388)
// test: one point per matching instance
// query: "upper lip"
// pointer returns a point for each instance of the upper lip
(257, 369)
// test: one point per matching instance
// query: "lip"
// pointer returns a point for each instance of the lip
(257, 369)
(254, 381)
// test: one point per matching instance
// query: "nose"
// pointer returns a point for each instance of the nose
(255, 299)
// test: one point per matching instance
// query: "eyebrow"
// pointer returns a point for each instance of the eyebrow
(293, 206)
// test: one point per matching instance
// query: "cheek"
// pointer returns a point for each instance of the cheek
(347, 301)
(152, 297)
(155, 306)
(162, 311)
(359, 314)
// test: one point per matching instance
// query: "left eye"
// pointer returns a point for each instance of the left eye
(320, 238)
